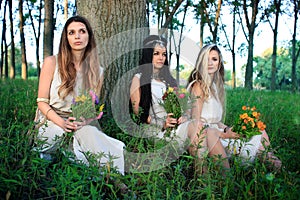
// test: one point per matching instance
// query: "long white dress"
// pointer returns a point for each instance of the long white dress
(173, 147)
(88, 139)
(211, 115)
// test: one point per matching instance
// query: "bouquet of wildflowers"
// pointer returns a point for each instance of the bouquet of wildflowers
(87, 106)
(248, 123)
(175, 101)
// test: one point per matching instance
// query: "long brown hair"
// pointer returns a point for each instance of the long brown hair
(90, 62)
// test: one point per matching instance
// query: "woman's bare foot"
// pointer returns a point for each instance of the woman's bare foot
(274, 160)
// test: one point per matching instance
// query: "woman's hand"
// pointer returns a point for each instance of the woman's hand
(70, 124)
(182, 119)
(170, 121)
(229, 134)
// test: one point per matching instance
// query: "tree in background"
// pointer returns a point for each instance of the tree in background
(250, 25)
(295, 52)
(273, 9)
(23, 46)
(12, 68)
(35, 17)
(208, 12)
(4, 54)
(48, 28)
(263, 68)
(234, 9)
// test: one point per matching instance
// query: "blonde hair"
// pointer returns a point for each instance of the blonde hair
(200, 74)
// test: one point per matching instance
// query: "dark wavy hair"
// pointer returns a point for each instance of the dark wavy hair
(146, 71)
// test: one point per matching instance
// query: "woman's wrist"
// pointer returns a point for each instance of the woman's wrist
(222, 135)
(226, 129)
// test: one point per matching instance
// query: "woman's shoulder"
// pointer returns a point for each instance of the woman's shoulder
(138, 75)
(50, 59)
(49, 63)
(196, 87)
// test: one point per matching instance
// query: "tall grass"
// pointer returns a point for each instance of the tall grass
(24, 175)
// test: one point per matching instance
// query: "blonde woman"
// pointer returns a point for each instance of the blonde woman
(207, 82)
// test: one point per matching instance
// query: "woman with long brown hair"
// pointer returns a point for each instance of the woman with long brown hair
(65, 76)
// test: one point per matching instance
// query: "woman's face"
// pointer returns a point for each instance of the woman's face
(77, 35)
(213, 62)
(159, 56)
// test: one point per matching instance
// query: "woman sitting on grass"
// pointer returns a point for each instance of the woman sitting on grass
(206, 81)
(63, 77)
(146, 92)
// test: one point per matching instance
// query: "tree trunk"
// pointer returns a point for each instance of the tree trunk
(3, 42)
(23, 48)
(294, 58)
(48, 28)
(119, 27)
(12, 69)
(66, 9)
(202, 23)
(251, 25)
(249, 67)
(36, 31)
(274, 54)
(233, 47)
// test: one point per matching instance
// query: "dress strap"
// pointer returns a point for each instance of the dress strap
(190, 85)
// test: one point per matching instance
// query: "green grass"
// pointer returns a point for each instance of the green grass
(25, 176)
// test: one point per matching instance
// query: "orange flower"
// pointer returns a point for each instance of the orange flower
(244, 116)
(261, 126)
(255, 114)
(248, 124)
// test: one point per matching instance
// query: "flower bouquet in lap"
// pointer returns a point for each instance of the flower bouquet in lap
(247, 125)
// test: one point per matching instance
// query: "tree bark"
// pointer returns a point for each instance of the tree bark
(119, 28)
(277, 5)
(36, 31)
(48, 28)
(23, 46)
(251, 25)
(66, 9)
(3, 43)
(294, 57)
(213, 25)
(12, 70)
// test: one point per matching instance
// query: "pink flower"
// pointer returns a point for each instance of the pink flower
(95, 98)
(100, 115)
(181, 96)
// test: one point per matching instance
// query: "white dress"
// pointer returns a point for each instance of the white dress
(212, 114)
(158, 116)
(88, 139)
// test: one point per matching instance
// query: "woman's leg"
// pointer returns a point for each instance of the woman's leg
(215, 147)
(207, 139)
